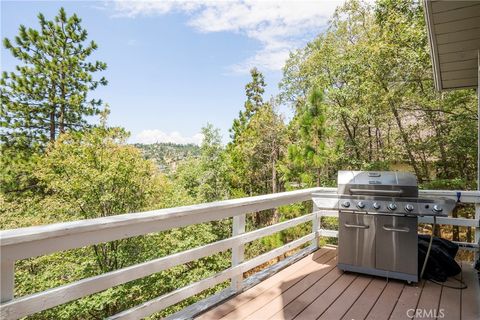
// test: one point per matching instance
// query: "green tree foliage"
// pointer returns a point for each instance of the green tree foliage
(98, 175)
(213, 184)
(313, 152)
(16, 167)
(373, 66)
(259, 149)
(94, 174)
(254, 91)
(48, 93)
(258, 142)
(204, 177)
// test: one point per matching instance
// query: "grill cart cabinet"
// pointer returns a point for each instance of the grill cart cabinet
(378, 245)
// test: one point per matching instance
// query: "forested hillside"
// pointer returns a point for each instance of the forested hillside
(362, 96)
(167, 156)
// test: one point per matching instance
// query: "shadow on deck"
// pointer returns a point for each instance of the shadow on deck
(313, 288)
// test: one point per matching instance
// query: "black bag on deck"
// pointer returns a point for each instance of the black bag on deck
(441, 262)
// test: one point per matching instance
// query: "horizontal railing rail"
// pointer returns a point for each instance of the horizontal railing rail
(30, 242)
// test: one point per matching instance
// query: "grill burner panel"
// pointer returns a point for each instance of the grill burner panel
(395, 206)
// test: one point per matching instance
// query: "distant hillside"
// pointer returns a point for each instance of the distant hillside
(168, 155)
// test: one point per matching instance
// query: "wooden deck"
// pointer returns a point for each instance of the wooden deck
(313, 288)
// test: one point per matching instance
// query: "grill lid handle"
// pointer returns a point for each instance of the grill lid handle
(375, 191)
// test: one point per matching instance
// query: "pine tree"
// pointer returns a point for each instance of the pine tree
(254, 91)
(257, 143)
(309, 157)
(48, 93)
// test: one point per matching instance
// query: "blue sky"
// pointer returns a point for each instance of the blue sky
(174, 66)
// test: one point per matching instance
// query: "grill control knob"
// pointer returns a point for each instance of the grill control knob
(437, 208)
(360, 205)
(376, 205)
(409, 208)
(392, 206)
(346, 204)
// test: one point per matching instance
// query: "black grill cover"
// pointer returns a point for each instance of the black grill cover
(441, 262)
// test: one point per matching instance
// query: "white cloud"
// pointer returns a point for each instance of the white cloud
(279, 26)
(155, 135)
(131, 42)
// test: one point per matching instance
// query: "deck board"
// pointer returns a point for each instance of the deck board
(387, 301)
(408, 300)
(323, 301)
(470, 297)
(237, 309)
(300, 302)
(313, 288)
(449, 302)
(430, 299)
(304, 266)
(364, 303)
(337, 309)
(327, 273)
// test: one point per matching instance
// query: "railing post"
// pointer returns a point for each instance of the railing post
(315, 225)
(7, 278)
(477, 233)
(238, 251)
(477, 205)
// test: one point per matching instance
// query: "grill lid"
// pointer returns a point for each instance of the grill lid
(377, 183)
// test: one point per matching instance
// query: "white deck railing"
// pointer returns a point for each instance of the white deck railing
(30, 242)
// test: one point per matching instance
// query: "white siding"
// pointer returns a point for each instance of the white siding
(454, 31)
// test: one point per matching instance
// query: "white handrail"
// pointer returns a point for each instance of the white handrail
(29, 242)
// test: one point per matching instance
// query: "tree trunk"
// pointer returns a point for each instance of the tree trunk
(370, 145)
(351, 136)
(379, 144)
(406, 142)
(274, 177)
(403, 135)
(63, 91)
(53, 110)
(52, 125)
(61, 119)
(61, 116)
(441, 145)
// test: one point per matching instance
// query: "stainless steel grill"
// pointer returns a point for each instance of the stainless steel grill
(378, 214)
